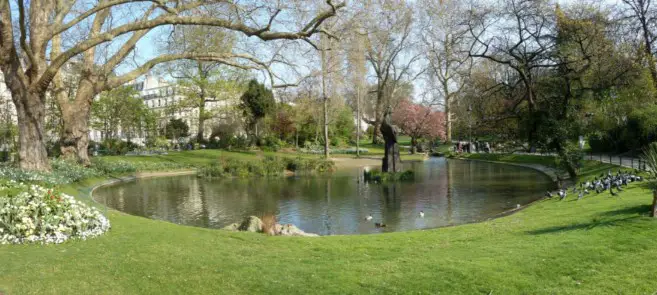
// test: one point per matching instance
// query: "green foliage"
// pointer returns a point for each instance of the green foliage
(269, 166)
(650, 158)
(116, 147)
(121, 109)
(112, 167)
(175, 129)
(257, 101)
(570, 158)
(342, 129)
(237, 168)
(271, 143)
(378, 176)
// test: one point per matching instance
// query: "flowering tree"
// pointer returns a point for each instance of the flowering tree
(418, 121)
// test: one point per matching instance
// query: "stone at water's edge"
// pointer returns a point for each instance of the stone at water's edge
(291, 230)
(251, 224)
(232, 227)
(254, 224)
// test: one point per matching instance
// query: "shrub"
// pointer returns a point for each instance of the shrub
(112, 167)
(34, 214)
(378, 176)
(271, 144)
(269, 166)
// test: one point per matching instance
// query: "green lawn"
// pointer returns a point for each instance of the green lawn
(598, 245)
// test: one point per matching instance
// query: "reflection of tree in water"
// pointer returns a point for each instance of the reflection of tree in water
(327, 211)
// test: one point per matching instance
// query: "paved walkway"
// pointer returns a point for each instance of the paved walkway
(624, 161)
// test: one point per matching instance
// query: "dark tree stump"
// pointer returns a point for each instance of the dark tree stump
(391, 160)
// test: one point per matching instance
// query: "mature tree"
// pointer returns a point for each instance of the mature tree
(203, 82)
(644, 14)
(358, 74)
(523, 42)
(444, 37)
(35, 45)
(418, 121)
(389, 26)
(121, 111)
(257, 102)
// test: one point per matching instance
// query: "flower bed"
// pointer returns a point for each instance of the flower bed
(34, 214)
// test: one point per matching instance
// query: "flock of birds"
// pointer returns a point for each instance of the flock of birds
(600, 184)
(379, 224)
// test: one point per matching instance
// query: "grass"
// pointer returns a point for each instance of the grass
(598, 245)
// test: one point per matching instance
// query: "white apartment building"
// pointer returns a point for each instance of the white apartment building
(158, 94)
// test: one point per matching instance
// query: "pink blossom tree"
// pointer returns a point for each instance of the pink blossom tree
(419, 121)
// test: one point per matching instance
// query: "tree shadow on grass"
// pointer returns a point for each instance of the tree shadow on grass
(582, 226)
(642, 210)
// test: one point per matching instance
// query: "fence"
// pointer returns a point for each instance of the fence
(629, 162)
(624, 161)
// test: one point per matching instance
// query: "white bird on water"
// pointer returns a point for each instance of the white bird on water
(369, 217)
(422, 214)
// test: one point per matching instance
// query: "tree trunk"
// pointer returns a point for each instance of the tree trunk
(326, 98)
(377, 117)
(326, 126)
(413, 145)
(653, 211)
(30, 109)
(448, 121)
(75, 120)
(358, 122)
(648, 50)
(201, 123)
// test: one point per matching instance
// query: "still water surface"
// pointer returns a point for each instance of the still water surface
(448, 191)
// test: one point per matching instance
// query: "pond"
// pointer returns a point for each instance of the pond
(448, 191)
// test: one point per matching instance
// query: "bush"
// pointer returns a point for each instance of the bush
(271, 144)
(33, 214)
(112, 167)
(380, 177)
(269, 166)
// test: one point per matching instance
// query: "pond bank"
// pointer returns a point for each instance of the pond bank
(517, 254)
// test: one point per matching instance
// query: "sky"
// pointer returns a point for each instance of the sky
(148, 48)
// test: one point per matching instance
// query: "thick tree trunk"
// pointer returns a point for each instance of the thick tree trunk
(75, 119)
(32, 152)
(75, 137)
